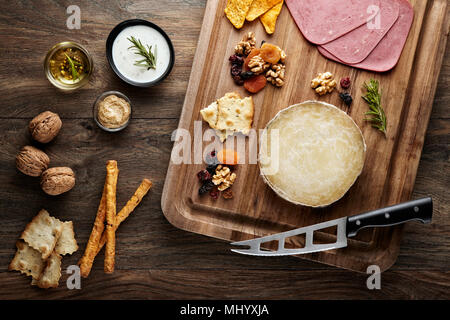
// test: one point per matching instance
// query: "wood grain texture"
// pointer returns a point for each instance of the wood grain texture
(391, 163)
(154, 259)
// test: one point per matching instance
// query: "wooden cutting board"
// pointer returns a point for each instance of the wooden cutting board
(391, 163)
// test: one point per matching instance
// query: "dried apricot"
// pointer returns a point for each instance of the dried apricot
(270, 53)
(255, 84)
(227, 156)
(252, 53)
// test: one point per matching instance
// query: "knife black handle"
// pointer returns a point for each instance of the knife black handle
(421, 210)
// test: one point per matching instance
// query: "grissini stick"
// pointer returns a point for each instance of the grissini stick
(134, 201)
(97, 230)
(111, 186)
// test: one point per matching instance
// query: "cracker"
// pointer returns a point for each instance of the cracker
(27, 260)
(229, 114)
(259, 7)
(51, 274)
(66, 244)
(42, 233)
(209, 114)
(269, 19)
(235, 114)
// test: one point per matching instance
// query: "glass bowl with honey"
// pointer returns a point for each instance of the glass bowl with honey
(68, 66)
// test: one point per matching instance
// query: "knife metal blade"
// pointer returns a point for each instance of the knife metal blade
(421, 210)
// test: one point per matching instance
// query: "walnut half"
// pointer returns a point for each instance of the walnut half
(246, 45)
(223, 178)
(257, 65)
(276, 74)
(324, 83)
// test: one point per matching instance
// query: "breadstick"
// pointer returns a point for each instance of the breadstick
(111, 185)
(134, 201)
(92, 246)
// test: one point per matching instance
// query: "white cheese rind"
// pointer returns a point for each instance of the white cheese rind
(321, 153)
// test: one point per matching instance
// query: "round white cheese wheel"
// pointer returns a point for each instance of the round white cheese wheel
(311, 153)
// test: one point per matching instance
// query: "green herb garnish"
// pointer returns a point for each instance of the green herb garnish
(72, 67)
(373, 98)
(149, 60)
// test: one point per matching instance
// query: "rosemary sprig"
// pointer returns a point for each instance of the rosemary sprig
(373, 98)
(75, 74)
(149, 60)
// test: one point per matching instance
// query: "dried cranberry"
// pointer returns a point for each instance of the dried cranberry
(345, 83)
(236, 60)
(236, 70)
(346, 97)
(214, 193)
(207, 186)
(203, 175)
(228, 194)
(238, 80)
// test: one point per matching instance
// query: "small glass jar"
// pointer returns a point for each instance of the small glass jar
(96, 108)
(68, 66)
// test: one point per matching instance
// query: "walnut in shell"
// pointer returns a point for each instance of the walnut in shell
(55, 181)
(32, 161)
(45, 126)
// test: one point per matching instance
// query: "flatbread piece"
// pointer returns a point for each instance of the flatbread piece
(42, 233)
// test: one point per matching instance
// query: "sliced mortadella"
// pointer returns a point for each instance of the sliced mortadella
(386, 54)
(356, 45)
(322, 21)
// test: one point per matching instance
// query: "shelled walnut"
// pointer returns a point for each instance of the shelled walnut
(323, 83)
(55, 181)
(246, 45)
(223, 178)
(275, 74)
(45, 126)
(257, 65)
(32, 161)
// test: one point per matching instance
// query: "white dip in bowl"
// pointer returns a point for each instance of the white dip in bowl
(124, 55)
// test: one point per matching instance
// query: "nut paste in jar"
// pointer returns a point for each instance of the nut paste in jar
(113, 112)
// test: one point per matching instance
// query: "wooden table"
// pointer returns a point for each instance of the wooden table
(154, 260)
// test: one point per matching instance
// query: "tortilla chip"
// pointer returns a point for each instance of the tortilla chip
(51, 274)
(269, 19)
(236, 11)
(42, 233)
(66, 243)
(259, 7)
(27, 260)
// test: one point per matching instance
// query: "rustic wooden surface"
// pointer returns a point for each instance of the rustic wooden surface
(154, 259)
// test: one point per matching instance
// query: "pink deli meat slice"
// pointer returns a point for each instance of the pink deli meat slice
(356, 45)
(386, 54)
(322, 21)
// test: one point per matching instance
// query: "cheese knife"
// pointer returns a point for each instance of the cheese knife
(420, 210)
